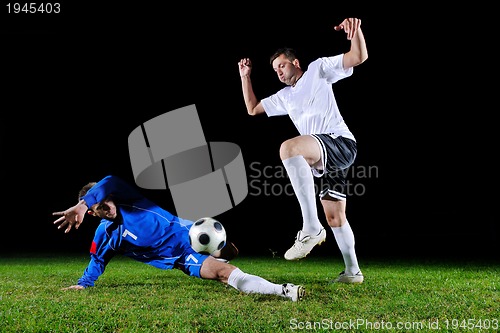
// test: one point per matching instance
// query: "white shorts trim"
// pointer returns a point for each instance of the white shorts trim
(324, 157)
(333, 194)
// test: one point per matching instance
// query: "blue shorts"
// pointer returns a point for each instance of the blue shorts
(177, 251)
(190, 262)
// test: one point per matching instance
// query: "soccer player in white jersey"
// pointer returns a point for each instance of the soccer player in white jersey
(134, 226)
(325, 147)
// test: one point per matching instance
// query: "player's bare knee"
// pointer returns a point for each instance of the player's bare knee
(285, 150)
(289, 149)
(335, 222)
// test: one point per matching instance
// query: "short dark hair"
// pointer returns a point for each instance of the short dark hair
(288, 52)
(85, 189)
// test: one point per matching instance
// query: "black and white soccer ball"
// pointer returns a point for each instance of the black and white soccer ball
(207, 235)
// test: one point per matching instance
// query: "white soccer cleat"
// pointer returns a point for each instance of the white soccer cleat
(304, 244)
(344, 278)
(293, 292)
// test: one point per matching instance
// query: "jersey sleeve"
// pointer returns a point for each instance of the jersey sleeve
(332, 68)
(273, 105)
(113, 186)
(93, 271)
(100, 254)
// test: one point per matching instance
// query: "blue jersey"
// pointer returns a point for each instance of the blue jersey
(142, 231)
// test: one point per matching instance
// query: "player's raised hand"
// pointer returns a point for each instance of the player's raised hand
(350, 26)
(245, 67)
(72, 216)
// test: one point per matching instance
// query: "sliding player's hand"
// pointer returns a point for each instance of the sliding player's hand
(72, 216)
(75, 287)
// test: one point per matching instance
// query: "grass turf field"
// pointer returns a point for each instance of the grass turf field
(397, 296)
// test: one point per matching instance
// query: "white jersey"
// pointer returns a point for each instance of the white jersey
(311, 103)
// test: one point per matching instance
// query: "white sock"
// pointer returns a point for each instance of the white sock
(248, 283)
(345, 240)
(302, 181)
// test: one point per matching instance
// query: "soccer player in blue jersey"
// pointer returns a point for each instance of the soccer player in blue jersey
(325, 147)
(134, 226)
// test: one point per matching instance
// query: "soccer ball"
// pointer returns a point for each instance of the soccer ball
(207, 235)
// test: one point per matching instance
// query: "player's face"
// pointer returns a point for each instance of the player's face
(285, 69)
(105, 210)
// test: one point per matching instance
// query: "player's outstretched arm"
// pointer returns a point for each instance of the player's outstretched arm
(358, 52)
(72, 216)
(251, 102)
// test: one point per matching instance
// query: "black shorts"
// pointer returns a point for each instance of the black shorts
(338, 154)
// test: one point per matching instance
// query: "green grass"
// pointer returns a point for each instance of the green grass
(134, 297)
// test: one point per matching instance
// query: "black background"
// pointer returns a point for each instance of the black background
(75, 85)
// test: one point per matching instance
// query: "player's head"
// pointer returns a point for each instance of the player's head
(286, 65)
(105, 209)
(85, 189)
(287, 52)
